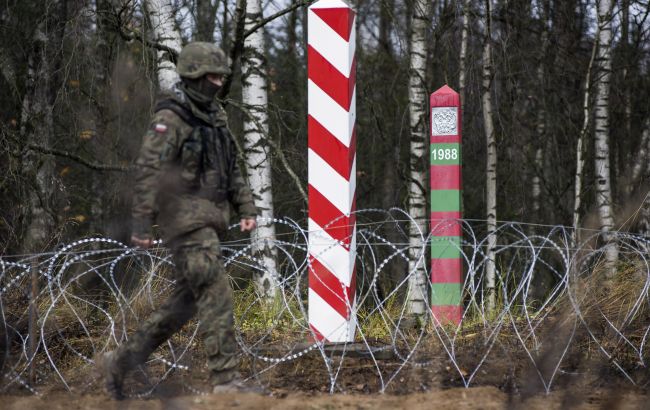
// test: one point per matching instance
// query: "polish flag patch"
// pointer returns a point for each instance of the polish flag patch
(160, 128)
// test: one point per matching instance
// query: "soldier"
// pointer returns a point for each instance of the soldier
(187, 178)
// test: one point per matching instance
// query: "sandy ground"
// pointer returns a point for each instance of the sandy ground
(455, 398)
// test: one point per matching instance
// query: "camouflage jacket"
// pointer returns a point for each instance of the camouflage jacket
(187, 175)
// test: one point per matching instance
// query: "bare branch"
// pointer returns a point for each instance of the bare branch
(117, 21)
(275, 147)
(129, 35)
(88, 164)
(280, 13)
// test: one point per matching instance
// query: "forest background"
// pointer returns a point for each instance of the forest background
(556, 91)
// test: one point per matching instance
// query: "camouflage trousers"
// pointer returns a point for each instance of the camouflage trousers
(202, 287)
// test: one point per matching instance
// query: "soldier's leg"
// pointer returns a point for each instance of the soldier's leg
(216, 315)
(207, 276)
(170, 317)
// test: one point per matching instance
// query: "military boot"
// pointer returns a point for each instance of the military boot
(113, 376)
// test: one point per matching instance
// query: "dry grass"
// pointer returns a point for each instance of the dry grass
(622, 301)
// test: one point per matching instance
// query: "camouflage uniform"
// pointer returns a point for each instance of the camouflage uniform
(187, 180)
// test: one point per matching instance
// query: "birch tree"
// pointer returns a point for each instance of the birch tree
(464, 40)
(601, 132)
(640, 165)
(256, 145)
(161, 16)
(540, 127)
(580, 159)
(491, 167)
(417, 281)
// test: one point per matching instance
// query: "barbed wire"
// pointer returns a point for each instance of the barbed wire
(92, 292)
(391, 220)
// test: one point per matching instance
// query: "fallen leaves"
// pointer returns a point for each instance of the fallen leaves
(79, 218)
(86, 134)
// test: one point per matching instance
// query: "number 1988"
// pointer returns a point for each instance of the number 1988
(442, 154)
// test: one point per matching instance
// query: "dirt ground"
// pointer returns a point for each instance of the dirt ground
(303, 385)
(454, 398)
(507, 379)
(505, 383)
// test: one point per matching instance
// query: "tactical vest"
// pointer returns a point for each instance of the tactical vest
(206, 157)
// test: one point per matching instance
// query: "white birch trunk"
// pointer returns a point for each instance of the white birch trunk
(258, 160)
(602, 161)
(417, 281)
(161, 15)
(580, 166)
(580, 160)
(491, 168)
(464, 40)
(641, 160)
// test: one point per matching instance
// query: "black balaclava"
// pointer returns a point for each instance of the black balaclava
(201, 91)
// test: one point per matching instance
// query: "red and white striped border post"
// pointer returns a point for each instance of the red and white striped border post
(332, 163)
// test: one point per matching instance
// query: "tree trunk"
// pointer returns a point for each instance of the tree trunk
(237, 46)
(540, 128)
(627, 92)
(206, 15)
(386, 10)
(161, 15)
(102, 56)
(580, 160)
(640, 166)
(644, 219)
(464, 40)
(36, 127)
(387, 169)
(258, 160)
(225, 28)
(491, 168)
(417, 282)
(602, 154)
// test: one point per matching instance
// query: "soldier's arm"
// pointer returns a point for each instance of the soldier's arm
(159, 145)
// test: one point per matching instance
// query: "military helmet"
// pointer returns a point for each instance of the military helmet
(200, 58)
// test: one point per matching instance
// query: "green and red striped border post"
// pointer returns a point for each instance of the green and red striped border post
(446, 229)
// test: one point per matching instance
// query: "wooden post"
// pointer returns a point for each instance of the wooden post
(446, 228)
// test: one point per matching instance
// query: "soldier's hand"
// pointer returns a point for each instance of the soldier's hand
(141, 242)
(247, 224)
